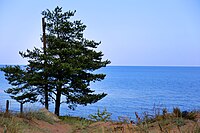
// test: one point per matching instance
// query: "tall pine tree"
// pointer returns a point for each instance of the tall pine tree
(70, 61)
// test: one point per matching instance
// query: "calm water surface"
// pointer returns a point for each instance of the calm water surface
(135, 89)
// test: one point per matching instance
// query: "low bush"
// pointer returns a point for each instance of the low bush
(101, 116)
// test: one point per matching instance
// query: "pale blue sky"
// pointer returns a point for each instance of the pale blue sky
(132, 32)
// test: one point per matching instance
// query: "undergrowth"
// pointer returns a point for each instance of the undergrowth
(78, 123)
(165, 122)
(12, 124)
(101, 115)
(17, 122)
(180, 121)
(37, 115)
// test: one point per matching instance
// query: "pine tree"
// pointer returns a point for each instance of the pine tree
(21, 90)
(70, 59)
(36, 65)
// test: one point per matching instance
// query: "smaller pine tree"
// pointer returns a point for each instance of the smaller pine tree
(21, 90)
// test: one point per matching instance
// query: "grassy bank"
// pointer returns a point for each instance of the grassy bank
(45, 122)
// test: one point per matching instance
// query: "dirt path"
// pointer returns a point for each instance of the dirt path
(45, 127)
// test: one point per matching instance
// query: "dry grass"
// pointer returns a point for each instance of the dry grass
(164, 122)
(13, 124)
(19, 123)
(39, 122)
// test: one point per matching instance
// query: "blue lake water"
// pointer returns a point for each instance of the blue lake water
(134, 89)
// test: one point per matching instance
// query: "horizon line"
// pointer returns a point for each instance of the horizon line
(128, 65)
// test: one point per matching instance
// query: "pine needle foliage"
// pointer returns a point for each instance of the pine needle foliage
(68, 66)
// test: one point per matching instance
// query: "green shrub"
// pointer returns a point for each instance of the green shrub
(101, 116)
(178, 121)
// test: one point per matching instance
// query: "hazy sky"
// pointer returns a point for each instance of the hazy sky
(132, 32)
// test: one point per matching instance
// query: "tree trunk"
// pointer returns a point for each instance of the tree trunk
(7, 106)
(45, 64)
(46, 97)
(57, 104)
(21, 108)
